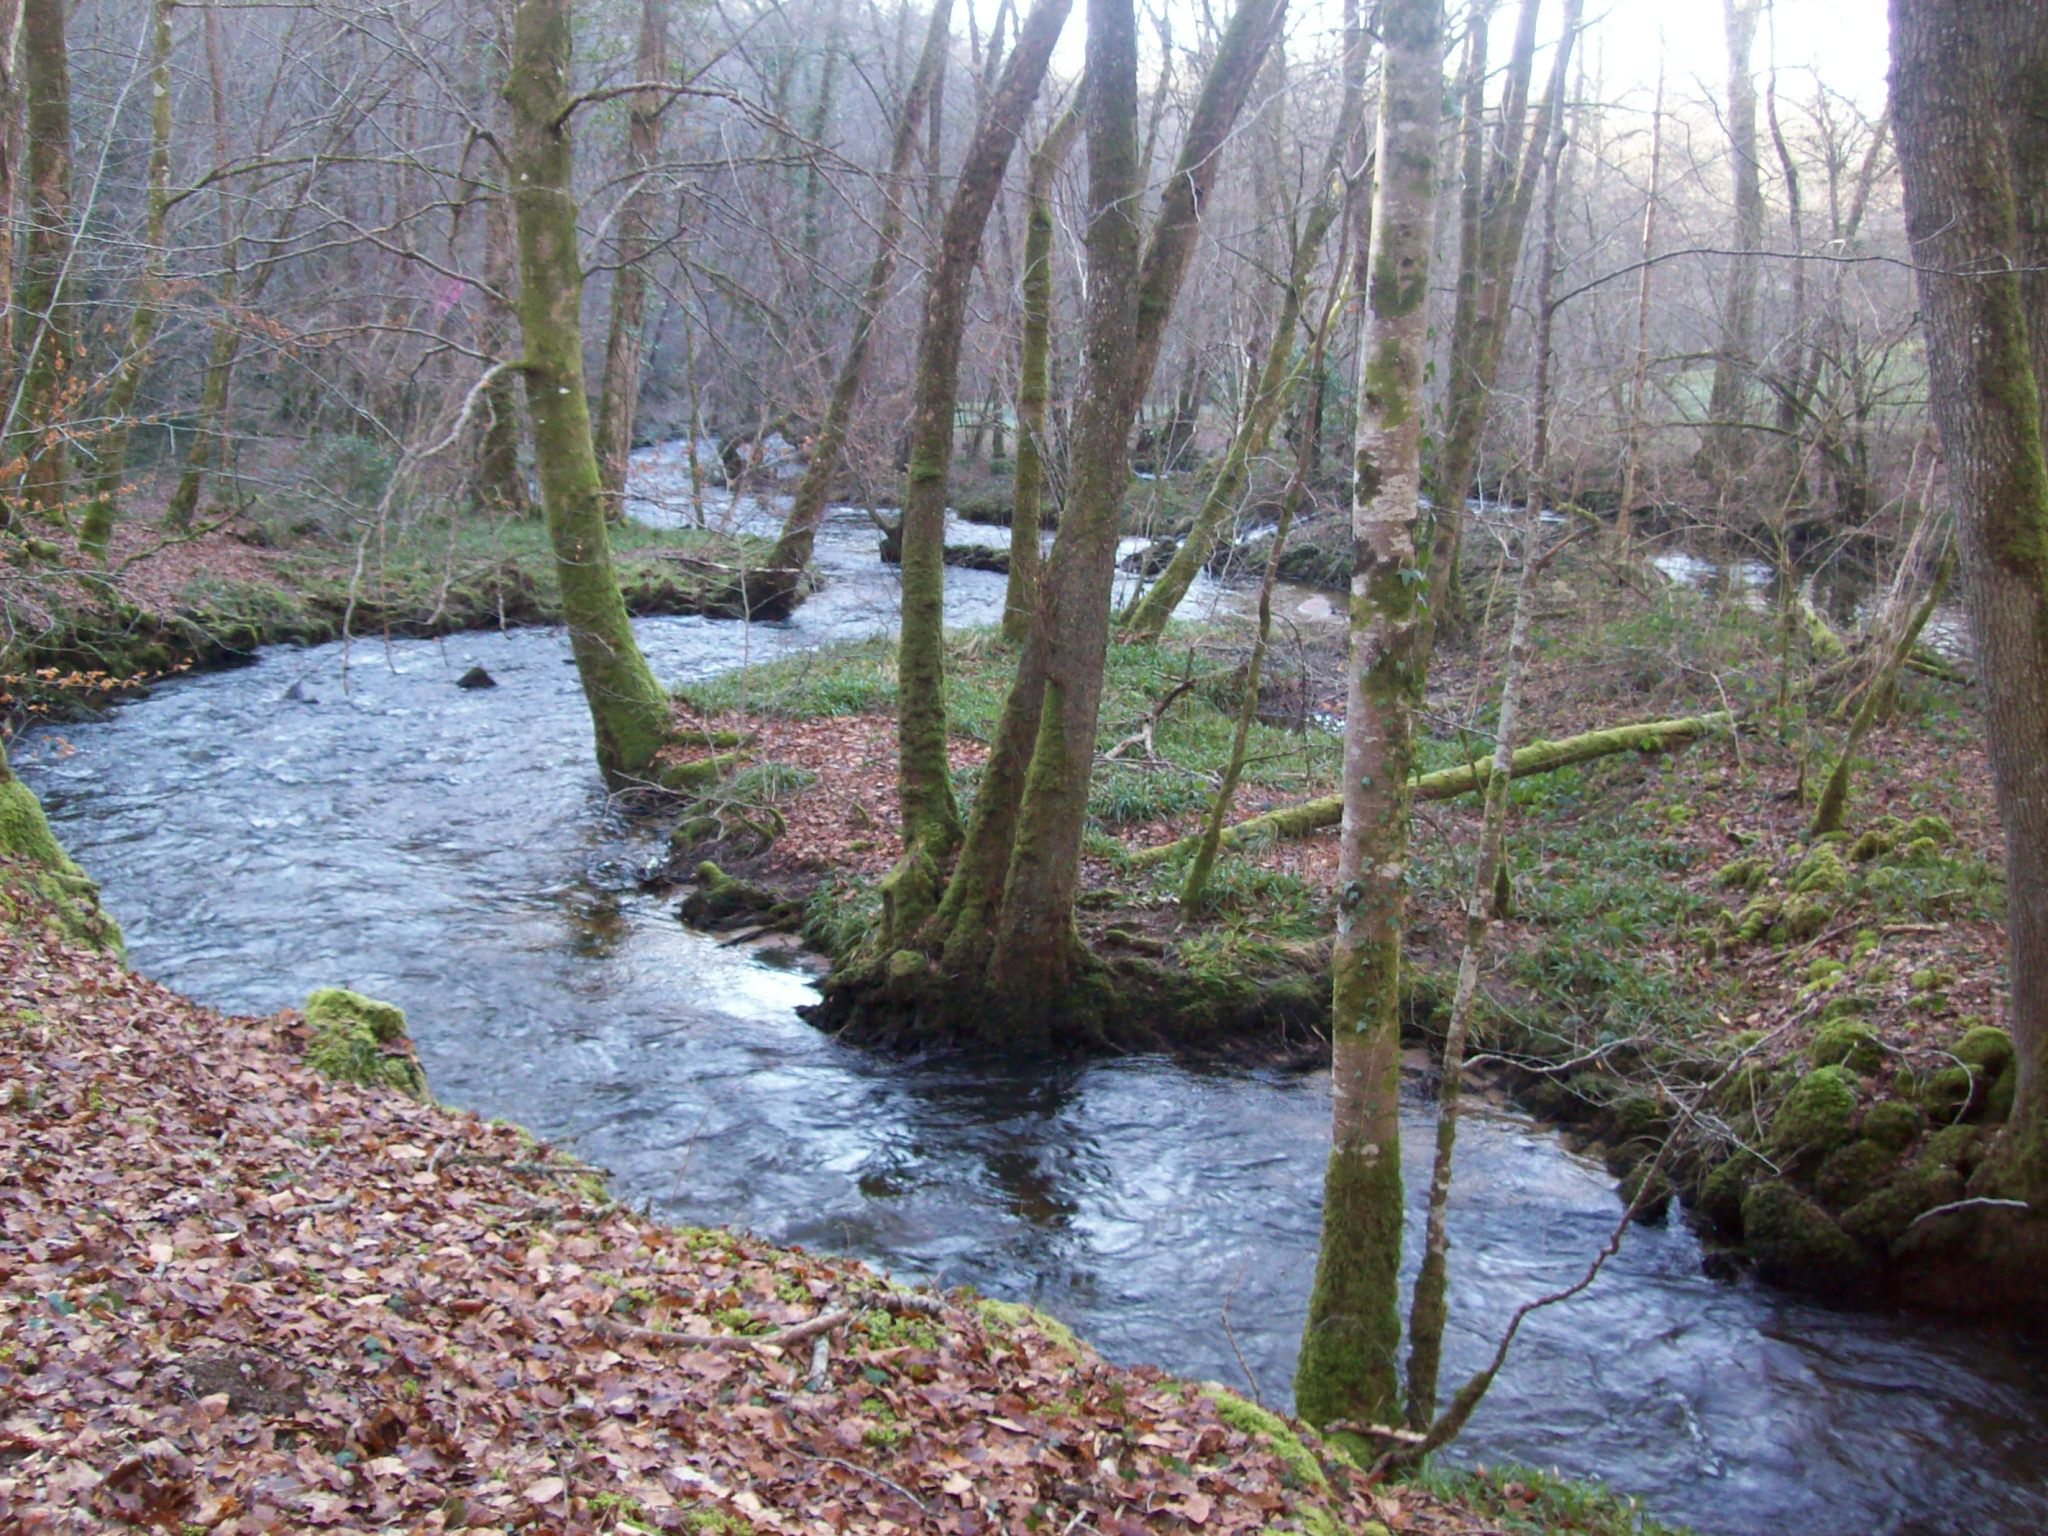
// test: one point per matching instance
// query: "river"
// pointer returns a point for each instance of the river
(348, 816)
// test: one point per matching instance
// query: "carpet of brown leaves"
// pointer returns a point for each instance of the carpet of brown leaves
(237, 1297)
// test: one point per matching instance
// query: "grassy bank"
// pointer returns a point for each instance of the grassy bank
(1801, 1037)
(75, 632)
(252, 1278)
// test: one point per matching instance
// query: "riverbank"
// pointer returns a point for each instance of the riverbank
(1799, 1036)
(239, 1294)
(76, 635)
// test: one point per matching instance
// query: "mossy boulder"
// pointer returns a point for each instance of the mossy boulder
(1754, 920)
(1949, 1094)
(1953, 1146)
(1935, 829)
(1847, 1174)
(1794, 1242)
(1719, 1198)
(1884, 1216)
(1985, 1049)
(1742, 874)
(1802, 917)
(1821, 871)
(1846, 1042)
(1873, 844)
(1647, 1192)
(358, 1039)
(2003, 1090)
(1817, 1116)
(1638, 1117)
(1823, 970)
(34, 867)
(1892, 1125)
(1920, 850)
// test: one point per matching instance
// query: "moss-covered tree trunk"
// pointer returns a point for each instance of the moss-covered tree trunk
(46, 329)
(1061, 671)
(807, 506)
(931, 819)
(1150, 611)
(1970, 103)
(625, 338)
(1347, 1364)
(628, 709)
(96, 524)
(1034, 376)
(499, 483)
(1429, 1308)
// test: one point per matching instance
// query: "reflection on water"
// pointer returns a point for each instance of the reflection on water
(294, 823)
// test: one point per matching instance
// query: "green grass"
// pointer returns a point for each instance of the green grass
(1525, 1502)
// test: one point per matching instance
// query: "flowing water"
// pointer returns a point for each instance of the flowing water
(328, 817)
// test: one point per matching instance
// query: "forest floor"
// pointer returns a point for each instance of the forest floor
(1680, 954)
(238, 1294)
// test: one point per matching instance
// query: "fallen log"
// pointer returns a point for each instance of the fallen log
(1448, 783)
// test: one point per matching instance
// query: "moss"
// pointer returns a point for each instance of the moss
(1931, 978)
(1821, 870)
(2004, 1088)
(1639, 1117)
(1883, 1217)
(1802, 916)
(1921, 850)
(1948, 1093)
(1824, 970)
(1953, 1146)
(1008, 1316)
(1794, 1242)
(349, 1038)
(1893, 1125)
(1849, 1173)
(1864, 944)
(1754, 920)
(1721, 1192)
(1647, 1191)
(1846, 1043)
(1818, 1115)
(1286, 1442)
(1872, 845)
(1931, 828)
(44, 872)
(1986, 1048)
(1746, 874)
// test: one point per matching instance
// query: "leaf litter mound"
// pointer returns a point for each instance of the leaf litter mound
(238, 1297)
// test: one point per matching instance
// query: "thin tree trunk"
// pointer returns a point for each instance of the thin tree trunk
(1639, 375)
(1034, 383)
(629, 711)
(1970, 106)
(96, 525)
(931, 819)
(807, 506)
(47, 387)
(500, 483)
(625, 340)
(1347, 1364)
(209, 441)
(1726, 446)
(10, 133)
(1429, 1310)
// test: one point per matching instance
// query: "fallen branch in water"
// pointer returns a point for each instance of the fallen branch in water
(1446, 784)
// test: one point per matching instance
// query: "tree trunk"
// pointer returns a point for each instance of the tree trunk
(96, 525)
(499, 481)
(625, 340)
(1346, 1368)
(1034, 380)
(629, 711)
(47, 388)
(1639, 372)
(931, 819)
(1726, 446)
(1970, 104)
(209, 440)
(807, 507)
(1049, 721)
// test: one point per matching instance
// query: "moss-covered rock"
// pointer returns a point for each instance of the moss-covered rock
(1647, 1191)
(1823, 970)
(1999, 1097)
(1935, 829)
(1883, 1217)
(1892, 1125)
(1821, 871)
(1639, 1117)
(1846, 1042)
(1742, 874)
(1794, 1242)
(1920, 850)
(1720, 1194)
(358, 1039)
(1802, 916)
(1754, 920)
(1817, 1116)
(1847, 1174)
(1987, 1049)
(1953, 1146)
(1949, 1094)
(1873, 844)
(34, 867)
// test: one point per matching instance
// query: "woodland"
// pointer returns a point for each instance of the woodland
(760, 753)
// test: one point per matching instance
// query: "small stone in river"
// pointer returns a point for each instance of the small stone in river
(476, 677)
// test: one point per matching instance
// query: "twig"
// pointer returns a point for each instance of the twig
(1958, 1205)
(869, 1472)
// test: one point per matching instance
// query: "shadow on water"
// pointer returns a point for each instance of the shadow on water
(303, 822)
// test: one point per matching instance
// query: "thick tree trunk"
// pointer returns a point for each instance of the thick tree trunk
(625, 339)
(96, 525)
(628, 710)
(46, 328)
(1034, 378)
(931, 819)
(1970, 104)
(1061, 670)
(807, 507)
(1347, 1368)
(1726, 448)
(1148, 613)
